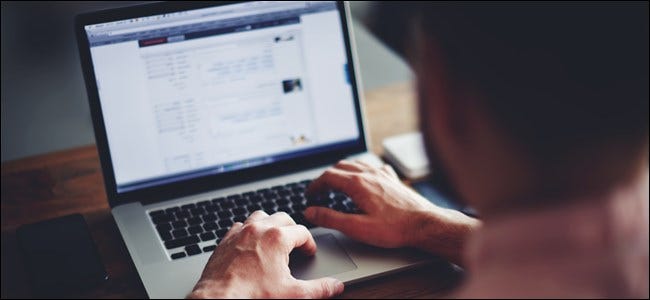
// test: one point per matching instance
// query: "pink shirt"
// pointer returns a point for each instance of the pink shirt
(591, 248)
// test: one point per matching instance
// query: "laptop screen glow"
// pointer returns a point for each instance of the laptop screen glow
(212, 90)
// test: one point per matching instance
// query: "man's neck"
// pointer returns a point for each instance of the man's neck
(586, 181)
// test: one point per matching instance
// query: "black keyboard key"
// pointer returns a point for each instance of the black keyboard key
(162, 232)
(220, 233)
(209, 248)
(239, 211)
(241, 201)
(296, 199)
(227, 204)
(253, 207)
(209, 217)
(195, 229)
(286, 209)
(284, 193)
(269, 195)
(179, 224)
(225, 223)
(179, 233)
(183, 214)
(197, 211)
(268, 206)
(340, 197)
(339, 207)
(181, 242)
(207, 236)
(239, 219)
(194, 221)
(218, 240)
(256, 198)
(299, 218)
(298, 189)
(262, 191)
(277, 187)
(218, 200)
(158, 219)
(178, 255)
(164, 227)
(224, 214)
(298, 207)
(322, 200)
(248, 194)
(157, 213)
(188, 206)
(282, 201)
(211, 208)
(172, 210)
(204, 203)
(210, 226)
(193, 250)
(165, 236)
(205, 213)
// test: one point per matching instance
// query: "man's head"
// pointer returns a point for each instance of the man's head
(521, 98)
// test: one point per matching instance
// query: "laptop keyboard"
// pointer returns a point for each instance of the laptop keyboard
(198, 227)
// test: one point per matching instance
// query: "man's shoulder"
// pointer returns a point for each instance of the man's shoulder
(583, 248)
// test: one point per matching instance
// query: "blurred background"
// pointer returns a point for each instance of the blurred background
(44, 104)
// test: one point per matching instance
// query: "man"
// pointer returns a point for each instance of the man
(537, 116)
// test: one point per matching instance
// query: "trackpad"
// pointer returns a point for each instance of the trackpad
(330, 259)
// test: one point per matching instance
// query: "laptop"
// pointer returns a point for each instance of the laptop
(206, 112)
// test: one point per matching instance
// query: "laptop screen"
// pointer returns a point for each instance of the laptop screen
(205, 91)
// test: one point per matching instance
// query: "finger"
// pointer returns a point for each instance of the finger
(256, 216)
(236, 228)
(354, 225)
(348, 166)
(332, 178)
(299, 237)
(278, 219)
(366, 166)
(321, 288)
(389, 170)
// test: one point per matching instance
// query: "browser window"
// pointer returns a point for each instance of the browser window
(220, 89)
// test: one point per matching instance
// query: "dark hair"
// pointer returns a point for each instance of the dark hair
(558, 75)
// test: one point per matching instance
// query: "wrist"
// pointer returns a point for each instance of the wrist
(443, 233)
(211, 289)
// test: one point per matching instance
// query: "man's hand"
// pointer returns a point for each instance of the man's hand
(393, 215)
(252, 262)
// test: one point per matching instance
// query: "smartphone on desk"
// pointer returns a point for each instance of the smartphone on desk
(60, 256)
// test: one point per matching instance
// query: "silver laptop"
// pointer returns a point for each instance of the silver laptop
(206, 112)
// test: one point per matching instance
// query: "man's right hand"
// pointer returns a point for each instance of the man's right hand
(392, 215)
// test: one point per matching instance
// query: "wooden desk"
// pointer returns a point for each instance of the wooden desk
(66, 182)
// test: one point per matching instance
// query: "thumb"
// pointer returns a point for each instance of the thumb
(355, 226)
(326, 287)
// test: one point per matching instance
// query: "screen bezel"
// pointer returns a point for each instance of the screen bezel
(209, 182)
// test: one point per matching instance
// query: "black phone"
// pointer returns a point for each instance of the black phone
(60, 256)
